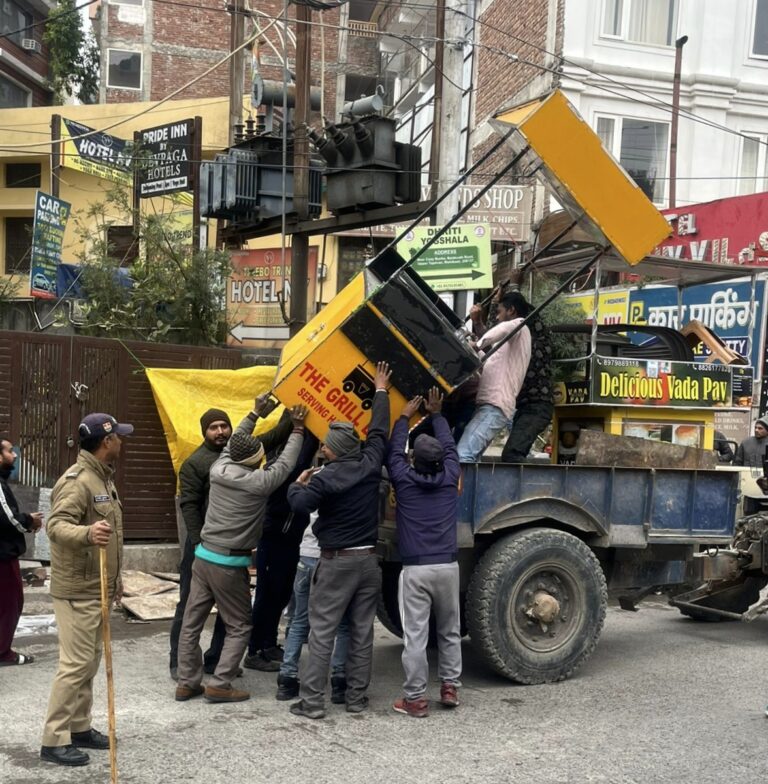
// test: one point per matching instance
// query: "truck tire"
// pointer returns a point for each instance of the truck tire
(388, 609)
(736, 600)
(502, 588)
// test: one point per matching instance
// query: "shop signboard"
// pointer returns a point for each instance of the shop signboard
(659, 383)
(611, 306)
(724, 231)
(459, 259)
(96, 153)
(254, 290)
(165, 153)
(50, 221)
(728, 309)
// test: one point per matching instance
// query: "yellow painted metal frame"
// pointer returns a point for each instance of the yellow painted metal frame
(585, 178)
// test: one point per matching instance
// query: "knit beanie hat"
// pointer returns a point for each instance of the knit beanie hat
(245, 450)
(342, 439)
(428, 455)
(213, 415)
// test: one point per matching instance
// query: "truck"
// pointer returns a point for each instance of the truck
(541, 546)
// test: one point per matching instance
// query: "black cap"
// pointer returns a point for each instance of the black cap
(100, 425)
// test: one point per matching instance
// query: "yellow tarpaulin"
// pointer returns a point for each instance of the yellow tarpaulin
(183, 396)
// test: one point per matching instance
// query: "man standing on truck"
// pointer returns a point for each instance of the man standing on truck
(502, 377)
(426, 495)
(534, 406)
(345, 493)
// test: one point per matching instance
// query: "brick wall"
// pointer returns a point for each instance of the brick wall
(513, 27)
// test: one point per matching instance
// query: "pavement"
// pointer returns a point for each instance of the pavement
(662, 699)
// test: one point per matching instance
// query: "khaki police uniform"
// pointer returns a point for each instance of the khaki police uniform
(84, 494)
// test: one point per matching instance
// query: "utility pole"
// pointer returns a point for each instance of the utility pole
(447, 123)
(300, 243)
(236, 66)
(679, 44)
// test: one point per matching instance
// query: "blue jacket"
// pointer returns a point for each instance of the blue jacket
(425, 505)
(345, 492)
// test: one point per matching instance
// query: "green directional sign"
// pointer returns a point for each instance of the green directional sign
(458, 259)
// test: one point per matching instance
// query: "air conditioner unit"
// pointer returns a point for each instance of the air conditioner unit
(31, 45)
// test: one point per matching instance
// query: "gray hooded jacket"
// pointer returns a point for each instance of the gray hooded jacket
(238, 497)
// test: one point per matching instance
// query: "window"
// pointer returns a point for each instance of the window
(640, 21)
(124, 69)
(12, 95)
(760, 36)
(753, 172)
(123, 245)
(14, 22)
(18, 244)
(22, 175)
(641, 148)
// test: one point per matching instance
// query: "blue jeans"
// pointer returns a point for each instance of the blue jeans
(298, 631)
(487, 422)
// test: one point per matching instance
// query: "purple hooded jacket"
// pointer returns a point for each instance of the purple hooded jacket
(426, 504)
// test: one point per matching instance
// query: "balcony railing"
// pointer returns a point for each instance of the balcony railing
(363, 29)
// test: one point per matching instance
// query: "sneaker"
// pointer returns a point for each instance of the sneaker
(287, 688)
(357, 707)
(213, 694)
(338, 689)
(449, 695)
(418, 708)
(301, 708)
(275, 653)
(258, 661)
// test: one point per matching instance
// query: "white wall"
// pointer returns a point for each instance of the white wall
(721, 82)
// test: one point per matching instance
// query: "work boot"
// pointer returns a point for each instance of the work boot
(418, 708)
(338, 689)
(449, 695)
(184, 693)
(90, 739)
(213, 694)
(301, 708)
(274, 653)
(64, 755)
(287, 688)
(260, 661)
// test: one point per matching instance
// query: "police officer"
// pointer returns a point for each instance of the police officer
(85, 515)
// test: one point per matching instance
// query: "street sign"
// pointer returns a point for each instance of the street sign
(50, 220)
(505, 208)
(164, 156)
(460, 259)
(254, 289)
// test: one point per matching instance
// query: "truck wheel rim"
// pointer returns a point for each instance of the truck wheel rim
(560, 583)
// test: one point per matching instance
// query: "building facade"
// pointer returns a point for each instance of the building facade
(618, 68)
(23, 55)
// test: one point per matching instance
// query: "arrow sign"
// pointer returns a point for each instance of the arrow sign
(241, 332)
(472, 274)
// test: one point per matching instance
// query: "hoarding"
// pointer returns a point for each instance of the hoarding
(97, 154)
(165, 159)
(50, 221)
(258, 281)
(460, 259)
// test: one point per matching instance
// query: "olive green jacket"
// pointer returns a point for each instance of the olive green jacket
(84, 494)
